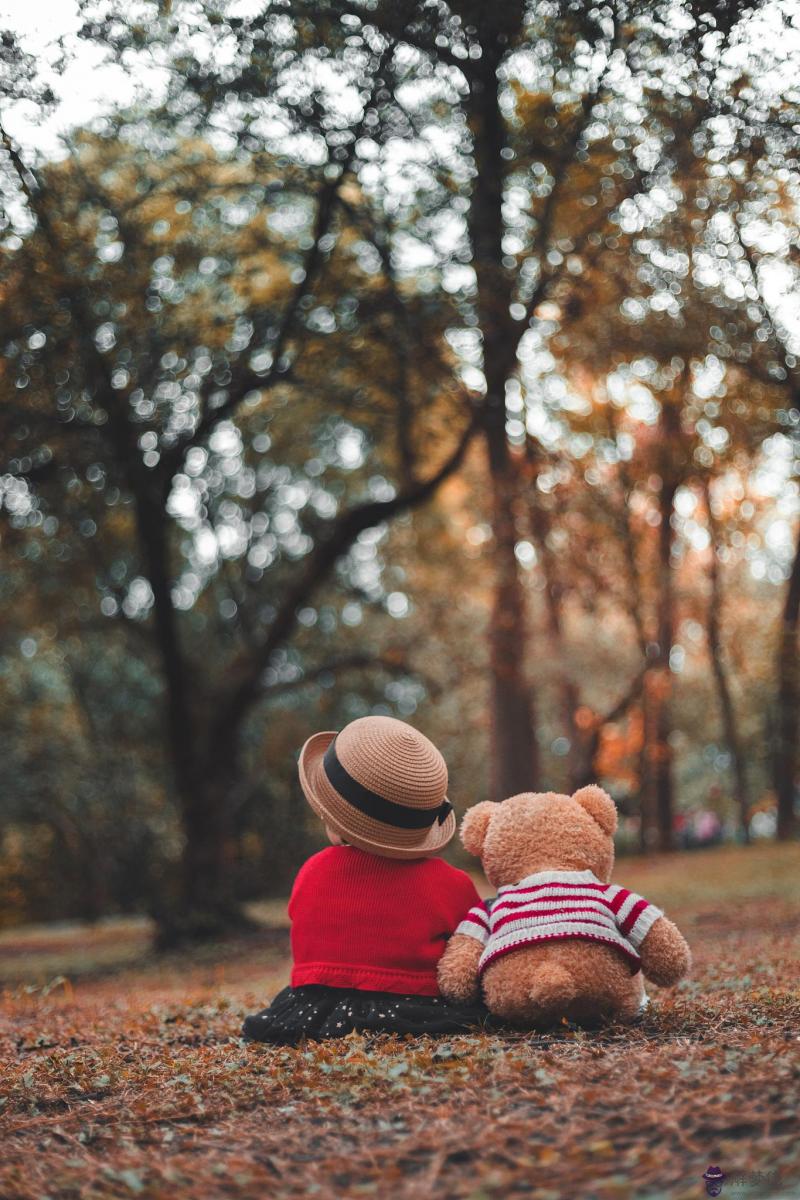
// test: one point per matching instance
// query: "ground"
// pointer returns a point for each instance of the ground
(123, 1075)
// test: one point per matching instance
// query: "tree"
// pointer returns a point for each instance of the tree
(714, 622)
(147, 372)
(527, 131)
(775, 361)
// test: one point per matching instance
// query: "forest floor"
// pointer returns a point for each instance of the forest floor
(123, 1075)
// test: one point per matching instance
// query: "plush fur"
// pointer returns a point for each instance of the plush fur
(539, 985)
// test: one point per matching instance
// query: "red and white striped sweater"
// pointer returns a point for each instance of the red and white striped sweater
(560, 904)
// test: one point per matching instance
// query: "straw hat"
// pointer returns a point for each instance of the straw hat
(381, 785)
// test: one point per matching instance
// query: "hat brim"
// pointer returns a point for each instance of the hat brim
(351, 825)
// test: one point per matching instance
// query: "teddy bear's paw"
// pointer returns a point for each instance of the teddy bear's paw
(458, 969)
(666, 957)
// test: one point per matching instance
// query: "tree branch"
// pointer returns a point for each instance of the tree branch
(327, 203)
(335, 666)
(546, 219)
(338, 540)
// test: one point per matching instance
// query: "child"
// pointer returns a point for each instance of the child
(372, 913)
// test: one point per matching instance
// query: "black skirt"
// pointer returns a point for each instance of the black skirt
(317, 1012)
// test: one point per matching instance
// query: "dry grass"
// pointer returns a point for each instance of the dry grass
(134, 1083)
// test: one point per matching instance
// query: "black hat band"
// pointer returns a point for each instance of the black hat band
(378, 807)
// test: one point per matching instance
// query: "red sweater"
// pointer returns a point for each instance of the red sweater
(375, 924)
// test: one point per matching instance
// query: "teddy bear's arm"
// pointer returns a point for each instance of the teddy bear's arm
(664, 953)
(458, 968)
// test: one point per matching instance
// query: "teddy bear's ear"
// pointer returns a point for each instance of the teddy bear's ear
(474, 825)
(598, 805)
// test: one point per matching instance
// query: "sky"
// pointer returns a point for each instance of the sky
(83, 90)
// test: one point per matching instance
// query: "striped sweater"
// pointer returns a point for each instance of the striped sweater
(560, 904)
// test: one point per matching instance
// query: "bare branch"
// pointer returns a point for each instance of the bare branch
(330, 547)
(327, 203)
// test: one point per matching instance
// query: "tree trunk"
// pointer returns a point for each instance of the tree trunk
(514, 755)
(662, 690)
(648, 835)
(583, 745)
(730, 724)
(204, 905)
(634, 591)
(209, 906)
(788, 703)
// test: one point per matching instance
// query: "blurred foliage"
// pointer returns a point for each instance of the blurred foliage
(384, 352)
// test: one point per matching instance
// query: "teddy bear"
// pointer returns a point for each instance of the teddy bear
(559, 940)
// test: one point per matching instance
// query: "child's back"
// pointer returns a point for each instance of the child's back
(363, 921)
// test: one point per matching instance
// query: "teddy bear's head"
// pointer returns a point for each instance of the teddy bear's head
(543, 831)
